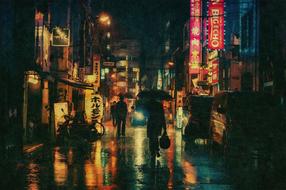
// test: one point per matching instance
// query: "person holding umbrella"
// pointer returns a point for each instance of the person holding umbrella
(155, 124)
(156, 118)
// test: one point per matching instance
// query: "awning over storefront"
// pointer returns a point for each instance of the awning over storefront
(54, 77)
(76, 84)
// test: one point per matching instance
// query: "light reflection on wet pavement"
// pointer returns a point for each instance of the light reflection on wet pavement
(124, 163)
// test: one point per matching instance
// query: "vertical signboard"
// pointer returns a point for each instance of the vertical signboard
(93, 106)
(213, 66)
(96, 70)
(179, 117)
(160, 80)
(213, 69)
(216, 24)
(195, 36)
(42, 42)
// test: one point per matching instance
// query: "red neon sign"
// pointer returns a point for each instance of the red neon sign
(195, 36)
(216, 25)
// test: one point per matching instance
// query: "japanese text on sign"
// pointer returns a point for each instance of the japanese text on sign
(96, 70)
(93, 106)
(195, 35)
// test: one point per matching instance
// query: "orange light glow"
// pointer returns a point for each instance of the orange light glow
(90, 175)
(190, 173)
(113, 76)
(34, 79)
(171, 64)
(60, 169)
(104, 19)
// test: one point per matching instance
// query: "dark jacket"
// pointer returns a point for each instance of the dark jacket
(121, 109)
(113, 109)
(156, 119)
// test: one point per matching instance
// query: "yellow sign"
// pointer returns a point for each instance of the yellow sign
(90, 79)
(93, 106)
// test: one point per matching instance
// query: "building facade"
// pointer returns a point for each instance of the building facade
(127, 69)
(272, 62)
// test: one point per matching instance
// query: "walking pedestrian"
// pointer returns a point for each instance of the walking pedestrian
(155, 124)
(113, 113)
(121, 112)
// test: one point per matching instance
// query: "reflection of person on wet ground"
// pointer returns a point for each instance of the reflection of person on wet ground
(121, 112)
(159, 177)
(113, 113)
(156, 122)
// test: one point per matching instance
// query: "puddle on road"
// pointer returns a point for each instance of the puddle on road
(60, 168)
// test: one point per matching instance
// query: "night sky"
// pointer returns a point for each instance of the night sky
(143, 19)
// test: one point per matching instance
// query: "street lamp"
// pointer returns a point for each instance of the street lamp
(104, 19)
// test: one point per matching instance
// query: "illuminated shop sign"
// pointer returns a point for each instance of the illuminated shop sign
(96, 70)
(61, 37)
(93, 106)
(213, 68)
(216, 24)
(195, 36)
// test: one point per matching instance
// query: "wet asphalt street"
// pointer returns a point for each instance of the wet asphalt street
(124, 163)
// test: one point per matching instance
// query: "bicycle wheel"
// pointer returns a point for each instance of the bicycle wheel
(100, 129)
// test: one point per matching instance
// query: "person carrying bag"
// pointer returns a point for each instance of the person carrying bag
(155, 124)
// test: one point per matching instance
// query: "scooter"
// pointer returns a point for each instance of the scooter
(78, 130)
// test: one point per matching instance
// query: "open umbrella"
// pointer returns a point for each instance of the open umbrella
(155, 94)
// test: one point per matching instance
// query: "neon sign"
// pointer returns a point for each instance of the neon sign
(216, 25)
(195, 36)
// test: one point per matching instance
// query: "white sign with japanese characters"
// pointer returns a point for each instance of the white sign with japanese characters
(93, 106)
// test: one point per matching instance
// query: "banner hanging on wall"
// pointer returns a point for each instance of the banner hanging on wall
(195, 36)
(216, 24)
